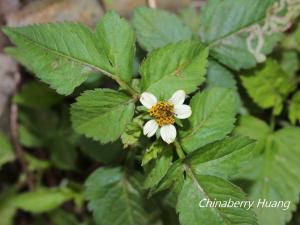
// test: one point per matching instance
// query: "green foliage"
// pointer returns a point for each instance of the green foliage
(182, 66)
(43, 200)
(223, 158)
(197, 188)
(226, 35)
(157, 28)
(212, 119)
(111, 190)
(127, 178)
(269, 86)
(160, 168)
(294, 108)
(64, 54)
(95, 111)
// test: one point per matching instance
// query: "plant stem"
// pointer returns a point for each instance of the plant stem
(179, 150)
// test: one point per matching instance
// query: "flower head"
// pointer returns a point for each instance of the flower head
(164, 114)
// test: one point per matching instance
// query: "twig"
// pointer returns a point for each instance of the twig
(152, 4)
(14, 126)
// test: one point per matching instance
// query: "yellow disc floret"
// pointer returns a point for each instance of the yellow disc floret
(163, 113)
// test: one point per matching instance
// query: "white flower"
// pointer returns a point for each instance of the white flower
(164, 114)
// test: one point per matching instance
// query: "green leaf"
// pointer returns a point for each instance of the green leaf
(152, 152)
(277, 172)
(160, 168)
(253, 127)
(202, 188)
(64, 54)
(180, 66)
(156, 28)
(111, 192)
(37, 95)
(117, 41)
(223, 158)
(6, 150)
(219, 76)
(213, 117)
(290, 62)
(223, 25)
(294, 108)
(42, 200)
(269, 86)
(102, 114)
(132, 132)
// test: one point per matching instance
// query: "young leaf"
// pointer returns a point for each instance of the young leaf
(269, 86)
(277, 172)
(102, 114)
(294, 108)
(6, 150)
(116, 39)
(179, 66)
(212, 119)
(223, 158)
(110, 192)
(198, 190)
(225, 34)
(156, 28)
(64, 54)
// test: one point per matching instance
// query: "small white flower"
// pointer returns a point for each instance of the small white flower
(164, 114)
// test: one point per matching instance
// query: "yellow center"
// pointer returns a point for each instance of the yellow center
(163, 113)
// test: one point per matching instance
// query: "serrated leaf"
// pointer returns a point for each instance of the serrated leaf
(294, 108)
(45, 199)
(102, 114)
(6, 150)
(117, 40)
(152, 152)
(212, 119)
(226, 35)
(132, 132)
(110, 190)
(160, 168)
(269, 86)
(197, 188)
(223, 158)
(156, 28)
(64, 54)
(37, 95)
(179, 66)
(277, 172)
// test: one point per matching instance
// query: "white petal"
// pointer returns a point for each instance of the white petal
(148, 100)
(178, 97)
(150, 128)
(182, 111)
(168, 133)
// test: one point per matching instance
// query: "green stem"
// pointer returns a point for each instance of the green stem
(179, 150)
(122, 84)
